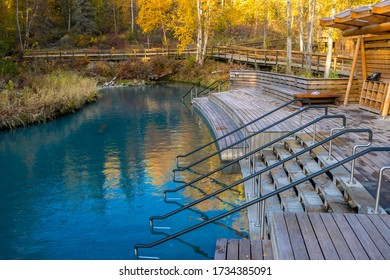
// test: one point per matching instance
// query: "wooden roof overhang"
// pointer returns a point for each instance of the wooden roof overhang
(366, 20)
(374, 19)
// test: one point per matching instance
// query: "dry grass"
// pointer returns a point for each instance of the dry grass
(49, 96)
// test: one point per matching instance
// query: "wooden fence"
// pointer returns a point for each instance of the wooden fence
(240, 54)
(278, 58)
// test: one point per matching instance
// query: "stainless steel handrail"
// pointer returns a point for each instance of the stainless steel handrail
(263, 197)
(355, 130)
(240, 128)
(378, 192)
(190, 91)
(248, 137)
(252, 152)
(352, 175)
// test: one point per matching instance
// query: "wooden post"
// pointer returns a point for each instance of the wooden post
(386, 106)
(353, 67)
(364, 62)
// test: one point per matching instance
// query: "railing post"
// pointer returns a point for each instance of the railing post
(258, 205)
(277, 61)
(330, 142)
(378, 192)
(314, 133)
(352, 179)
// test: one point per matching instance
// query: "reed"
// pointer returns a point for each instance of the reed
(48, 96)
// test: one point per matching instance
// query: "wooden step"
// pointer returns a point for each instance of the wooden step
(288, 198)
(306, 192)
(243, 249)
(358, 197)
(220, 125)
(331, 194)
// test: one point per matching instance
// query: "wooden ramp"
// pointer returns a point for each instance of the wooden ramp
(316, 236)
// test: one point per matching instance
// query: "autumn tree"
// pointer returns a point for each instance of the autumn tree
(153, 15)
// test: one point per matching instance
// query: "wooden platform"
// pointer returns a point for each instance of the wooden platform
(243, 249)
(315, 236)
(326, 236)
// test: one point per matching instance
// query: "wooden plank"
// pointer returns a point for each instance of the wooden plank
(338, 240)
(312, 246)
(365, 240)
(311, 200)
(288, 198)
(328, 249)
(297, 243)
(349, 236)
(220, 249)
(376, 236)
(267, 250)
(256, 250)
(244, 249)
(232, 249)
(280, 238)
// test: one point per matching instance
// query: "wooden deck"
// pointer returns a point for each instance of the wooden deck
(243, 249)
(326, 236)
(315, 236)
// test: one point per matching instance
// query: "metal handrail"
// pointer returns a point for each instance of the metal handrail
(253, 152)
(263, 197)
(251, 135)
(210, 87)
(378, 192)
(182, 98)
(240, 128)
(360, 130)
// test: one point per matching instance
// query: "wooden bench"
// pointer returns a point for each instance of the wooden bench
(287, 93)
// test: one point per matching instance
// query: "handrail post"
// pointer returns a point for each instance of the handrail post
(259, 215)
(314, 133)
(330, 142)
(253, 160)
(378, 192)
(352, 179)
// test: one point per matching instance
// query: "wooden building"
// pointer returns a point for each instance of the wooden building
(369, 26)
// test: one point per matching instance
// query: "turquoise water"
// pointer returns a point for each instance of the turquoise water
(84, 186)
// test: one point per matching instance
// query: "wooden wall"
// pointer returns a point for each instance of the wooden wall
(377, 54)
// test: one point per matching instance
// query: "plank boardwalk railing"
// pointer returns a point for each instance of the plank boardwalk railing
(113, 54)
(254, 56)
(278, 58)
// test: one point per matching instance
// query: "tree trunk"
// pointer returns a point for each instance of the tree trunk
(289, 39)
(328, 62)
(199, 40)
(69, 17)
(301, 34)
(18, 26)
(265, 34)
(132, 15)
(309, 49)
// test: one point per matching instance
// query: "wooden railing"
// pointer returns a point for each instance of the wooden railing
(113, 54)
(278, 58)
(255, 56)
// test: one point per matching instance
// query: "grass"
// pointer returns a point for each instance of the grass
(47, 97)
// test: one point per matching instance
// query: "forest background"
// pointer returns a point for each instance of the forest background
(120, 24)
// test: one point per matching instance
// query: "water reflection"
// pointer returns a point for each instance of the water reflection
(85, 185)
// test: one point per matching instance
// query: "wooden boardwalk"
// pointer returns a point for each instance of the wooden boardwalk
(315, 236)
(243, 249)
